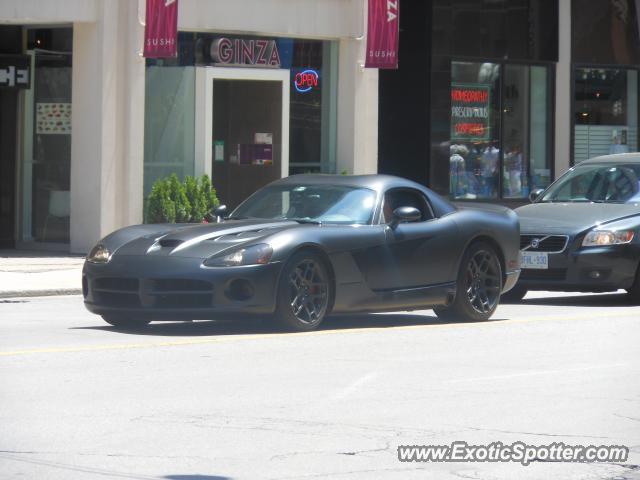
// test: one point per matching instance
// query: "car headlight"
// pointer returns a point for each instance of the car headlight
(259, 254)
(599, 238)
(99, 254)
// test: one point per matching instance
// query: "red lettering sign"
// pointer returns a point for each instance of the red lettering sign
(470, 112)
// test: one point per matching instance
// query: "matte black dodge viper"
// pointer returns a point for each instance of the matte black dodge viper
(305, 246)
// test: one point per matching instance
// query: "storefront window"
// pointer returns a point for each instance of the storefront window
(169, 123)
(499, 143)
(174, 143)
(525, 122)
(475, 130)
(606, 112)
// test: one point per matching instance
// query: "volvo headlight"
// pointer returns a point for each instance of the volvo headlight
(99, 254)
(600, 238)
(259, 254)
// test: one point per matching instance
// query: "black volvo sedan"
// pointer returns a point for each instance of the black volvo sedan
(583, 232)
(305, 246)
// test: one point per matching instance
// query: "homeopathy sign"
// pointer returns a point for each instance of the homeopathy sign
(470, 111)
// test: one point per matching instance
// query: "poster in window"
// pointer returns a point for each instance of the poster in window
(53, 118)
(470, 112)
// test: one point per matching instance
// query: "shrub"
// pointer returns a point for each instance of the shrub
(191, 201)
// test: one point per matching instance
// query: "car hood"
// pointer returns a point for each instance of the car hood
(199, 240)
(571, 218)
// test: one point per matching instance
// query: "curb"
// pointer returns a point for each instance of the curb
(50, 292)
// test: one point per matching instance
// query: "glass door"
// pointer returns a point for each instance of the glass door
(246, 136)
(46, 162)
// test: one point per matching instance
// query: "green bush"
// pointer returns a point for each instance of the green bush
(191, 201)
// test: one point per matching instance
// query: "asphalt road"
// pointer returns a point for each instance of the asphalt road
(204, 401)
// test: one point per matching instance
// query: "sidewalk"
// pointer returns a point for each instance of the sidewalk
(31, 274)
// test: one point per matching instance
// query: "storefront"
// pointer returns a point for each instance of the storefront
(244, 109)
(250, 98)
(35, 136)
(483, 75)
(605, 69)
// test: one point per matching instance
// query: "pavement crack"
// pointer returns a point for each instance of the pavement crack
(538, 434)
(628, 418)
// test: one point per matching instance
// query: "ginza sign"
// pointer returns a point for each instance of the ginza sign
(245, 52)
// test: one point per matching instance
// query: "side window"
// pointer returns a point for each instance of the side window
(404, 197)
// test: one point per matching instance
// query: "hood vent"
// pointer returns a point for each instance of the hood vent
(169, 242)
(247, 235)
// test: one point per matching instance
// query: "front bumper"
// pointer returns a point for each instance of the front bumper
(591, 269)
(174, 288)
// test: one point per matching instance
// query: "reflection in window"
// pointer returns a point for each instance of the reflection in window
(598, 183)
(169, 123)
(525, 121)
(499, 130)
(475, 133)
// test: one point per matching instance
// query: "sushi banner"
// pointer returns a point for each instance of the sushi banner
(161, 29)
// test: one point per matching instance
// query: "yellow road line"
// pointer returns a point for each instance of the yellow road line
(228, 338)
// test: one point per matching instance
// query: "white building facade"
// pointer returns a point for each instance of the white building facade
(73, 158)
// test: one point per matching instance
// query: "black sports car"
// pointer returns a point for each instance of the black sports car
(583, 232)
(307, 245)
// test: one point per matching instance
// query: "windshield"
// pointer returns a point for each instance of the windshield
(604, 183)
(313, 203)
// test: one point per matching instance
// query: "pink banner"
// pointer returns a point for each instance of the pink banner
(161, 29)
(382, 34)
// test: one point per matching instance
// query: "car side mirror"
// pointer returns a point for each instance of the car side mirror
(220, 212)
(533, 196)
(405, 215)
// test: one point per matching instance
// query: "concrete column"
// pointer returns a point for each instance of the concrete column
(357, 136)
(563, 131)
(107, 144)
(86, 142)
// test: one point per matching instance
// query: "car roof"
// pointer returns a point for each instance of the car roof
(375, 182)
(633, 157)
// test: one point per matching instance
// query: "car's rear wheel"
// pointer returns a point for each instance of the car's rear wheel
(303, 293)
(633, 293)
(514, 295)
(125, 322)
(478, 287)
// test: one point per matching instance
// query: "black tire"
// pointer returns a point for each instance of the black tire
(515, 295)
(126, 323)
(633, 293)
(303, 294)
(478, 288)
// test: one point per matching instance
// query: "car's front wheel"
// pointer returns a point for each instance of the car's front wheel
(125, 322)
(478, 286)
(303, 293)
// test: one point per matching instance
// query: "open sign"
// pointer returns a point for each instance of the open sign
(306, 80)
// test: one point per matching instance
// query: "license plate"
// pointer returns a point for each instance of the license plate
(539, 260)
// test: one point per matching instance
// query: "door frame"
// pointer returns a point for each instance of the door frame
(205, 76)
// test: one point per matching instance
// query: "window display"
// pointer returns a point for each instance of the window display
(499, 130)
(605, 112)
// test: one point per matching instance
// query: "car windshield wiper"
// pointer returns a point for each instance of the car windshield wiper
(306, 220)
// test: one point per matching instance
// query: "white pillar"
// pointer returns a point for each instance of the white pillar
(357, 136)
(107, 143)
(563, 131)
(85, 138)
